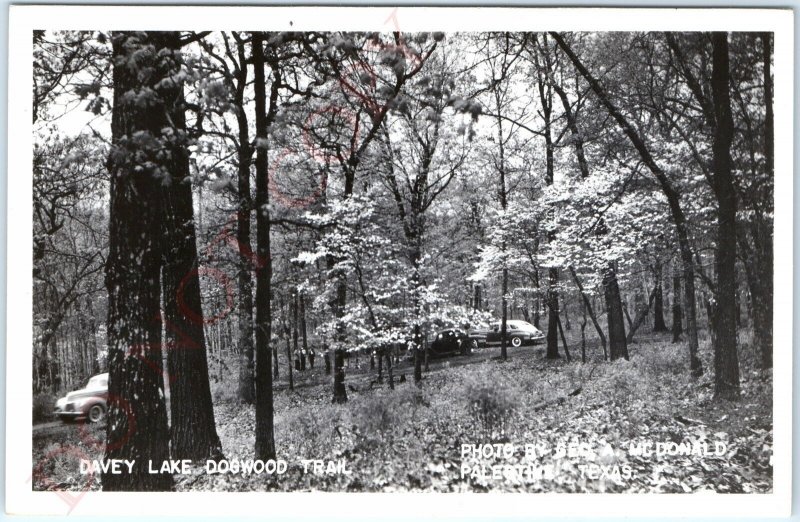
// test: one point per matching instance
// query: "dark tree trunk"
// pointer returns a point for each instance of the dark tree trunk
(289, 358)
(616, 322)
(339, 303)
(192, 427)
(760, 274)
(304, 333)
(759, 281)
(381, 354)
(677, 311)
(389, 368)
(583, 334)
(504, 321)
(137, 414)
(296, 332)
(247, 390)
(339, 391)
(546, 99)
(552, 314)
(418, 355)
(265, 436)
(658, 303)
(726, 359)
(563, 340)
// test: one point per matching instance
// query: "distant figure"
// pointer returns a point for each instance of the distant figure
(311, 356)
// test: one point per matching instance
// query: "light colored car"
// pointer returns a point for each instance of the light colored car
(517, 333)
(87, 403)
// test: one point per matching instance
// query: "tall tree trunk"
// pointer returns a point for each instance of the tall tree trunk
(304, 332)
(265, 436)
(137, 414)
(552, 314)
(193, 432)
(503, 196)
(658, 303)
(726, 359)
(764, 288)
(247, 390)
(289, 355)
(618, 346)
(293, 361)
(677, 311)
(546, 99)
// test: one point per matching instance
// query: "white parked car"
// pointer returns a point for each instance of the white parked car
(87, 403)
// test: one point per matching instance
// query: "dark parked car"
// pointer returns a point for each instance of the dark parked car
(452, 341)
(517, 333)
(87, 403)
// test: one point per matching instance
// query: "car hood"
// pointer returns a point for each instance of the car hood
(80, 394)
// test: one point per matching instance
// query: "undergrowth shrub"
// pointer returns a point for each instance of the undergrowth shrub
(313, 430)
(491, 402)
(376, 418)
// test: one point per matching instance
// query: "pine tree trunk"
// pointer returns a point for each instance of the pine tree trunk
(193, 432)
(137, 414)
(247, 390)
(726, 359)
(265, 437)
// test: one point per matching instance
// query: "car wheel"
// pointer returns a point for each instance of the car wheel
(96, 413)
(516, 342)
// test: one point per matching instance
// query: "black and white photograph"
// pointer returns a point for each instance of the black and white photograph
(404, 255)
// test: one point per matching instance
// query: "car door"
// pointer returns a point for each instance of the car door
(493, 335)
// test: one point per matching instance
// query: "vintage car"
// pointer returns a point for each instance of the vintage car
(517, 334)
(88, 403)
(452, 341)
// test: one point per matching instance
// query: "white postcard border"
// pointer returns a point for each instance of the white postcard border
(20, 499)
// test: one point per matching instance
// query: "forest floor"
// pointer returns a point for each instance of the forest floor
(581, 425)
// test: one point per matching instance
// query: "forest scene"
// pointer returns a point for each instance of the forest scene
(394, 261)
